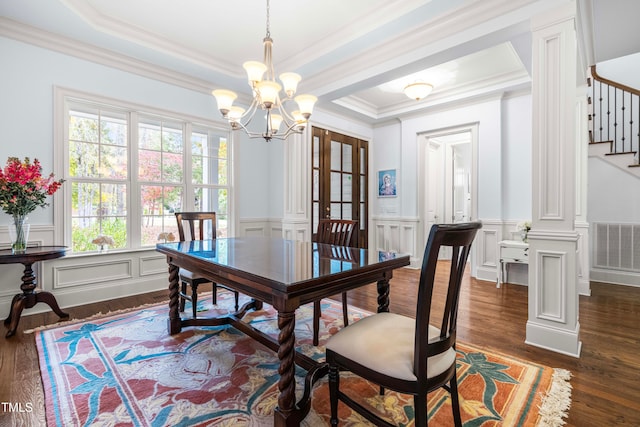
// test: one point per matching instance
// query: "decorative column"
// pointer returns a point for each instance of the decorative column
(553, 294)
(297, 160)
(582, 158)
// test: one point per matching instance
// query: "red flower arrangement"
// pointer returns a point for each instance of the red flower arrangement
(23, 188)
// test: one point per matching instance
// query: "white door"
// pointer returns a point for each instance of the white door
(447, 178)
(461, 182)
(448, 181)
(434, 197)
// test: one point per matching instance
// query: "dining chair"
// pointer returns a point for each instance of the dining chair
(400, 353)
(199, 226)
(335, 232)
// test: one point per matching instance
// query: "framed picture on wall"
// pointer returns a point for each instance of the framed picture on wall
(387, 183)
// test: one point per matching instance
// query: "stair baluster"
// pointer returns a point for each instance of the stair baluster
(615, 129)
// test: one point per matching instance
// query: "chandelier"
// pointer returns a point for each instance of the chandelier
(266, 97)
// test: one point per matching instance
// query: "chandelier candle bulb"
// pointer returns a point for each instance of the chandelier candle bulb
(290, 82)
(306, 103)
(235, 114)
(225, 99)
(298, 117)
(268, 92)
(276, 120)
(255, 70)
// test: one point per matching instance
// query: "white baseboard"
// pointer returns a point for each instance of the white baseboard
(555, 339)
(615, 277)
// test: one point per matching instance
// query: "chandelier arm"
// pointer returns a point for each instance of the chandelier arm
(251, 111)
(252, 135)
(291, 129)
(286, 116)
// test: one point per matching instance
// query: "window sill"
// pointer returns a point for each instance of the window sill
(109, 252)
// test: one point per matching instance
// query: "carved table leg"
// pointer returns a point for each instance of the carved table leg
(285, 412)
(29, 298)
(174, 323)
(383, 293)
(13, 302)
(17, 306)
(50, 300)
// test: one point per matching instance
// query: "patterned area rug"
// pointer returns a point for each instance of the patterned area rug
(124, 369)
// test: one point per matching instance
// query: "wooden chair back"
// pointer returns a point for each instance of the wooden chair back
(335, 231)
(199, 225)
(458, 237)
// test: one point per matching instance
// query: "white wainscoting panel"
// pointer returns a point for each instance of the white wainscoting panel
(82, 279)
(254, 227)
(397, 235)
(551, 295)
(486, 250)
(294, 228)
(153, 264)
(584, 273)
(91, 273)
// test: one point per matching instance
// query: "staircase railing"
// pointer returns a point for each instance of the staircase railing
(614, 116)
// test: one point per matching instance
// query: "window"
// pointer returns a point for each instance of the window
(129, 171)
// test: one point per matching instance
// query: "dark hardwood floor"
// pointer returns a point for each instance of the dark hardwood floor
(606, 386)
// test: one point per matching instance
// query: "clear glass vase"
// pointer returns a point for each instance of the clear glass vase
(19, 234)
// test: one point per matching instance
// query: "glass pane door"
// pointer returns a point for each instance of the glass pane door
(339, 181)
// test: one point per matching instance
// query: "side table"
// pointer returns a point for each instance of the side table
(511, 251)
(29, 297)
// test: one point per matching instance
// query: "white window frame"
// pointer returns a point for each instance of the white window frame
(65, 98)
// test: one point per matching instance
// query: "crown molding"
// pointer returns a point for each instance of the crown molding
(37, 37)
(350, 32)
(502, 84)
(136, 35)
(466, 24)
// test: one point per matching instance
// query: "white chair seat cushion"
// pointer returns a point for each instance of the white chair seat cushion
(384, 342)
(188, 275)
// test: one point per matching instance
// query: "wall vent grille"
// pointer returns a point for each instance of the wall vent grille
(617, 246)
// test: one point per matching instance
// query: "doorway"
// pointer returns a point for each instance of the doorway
(339, 181)
(447, 177)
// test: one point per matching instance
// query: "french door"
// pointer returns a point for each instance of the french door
(339, 181)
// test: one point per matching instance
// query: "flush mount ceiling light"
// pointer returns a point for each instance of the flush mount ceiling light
(266, 96)
(418, 90)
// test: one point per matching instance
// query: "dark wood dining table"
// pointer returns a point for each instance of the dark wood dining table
(285, 274)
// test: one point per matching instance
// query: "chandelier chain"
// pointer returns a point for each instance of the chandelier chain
(268, 20)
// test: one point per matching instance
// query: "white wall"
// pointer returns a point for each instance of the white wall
(387, 154)
(253, 177)
(622, 70)
(516, 158)
(612, 194)
(276, 178)
(397, 148)
(504, 176)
